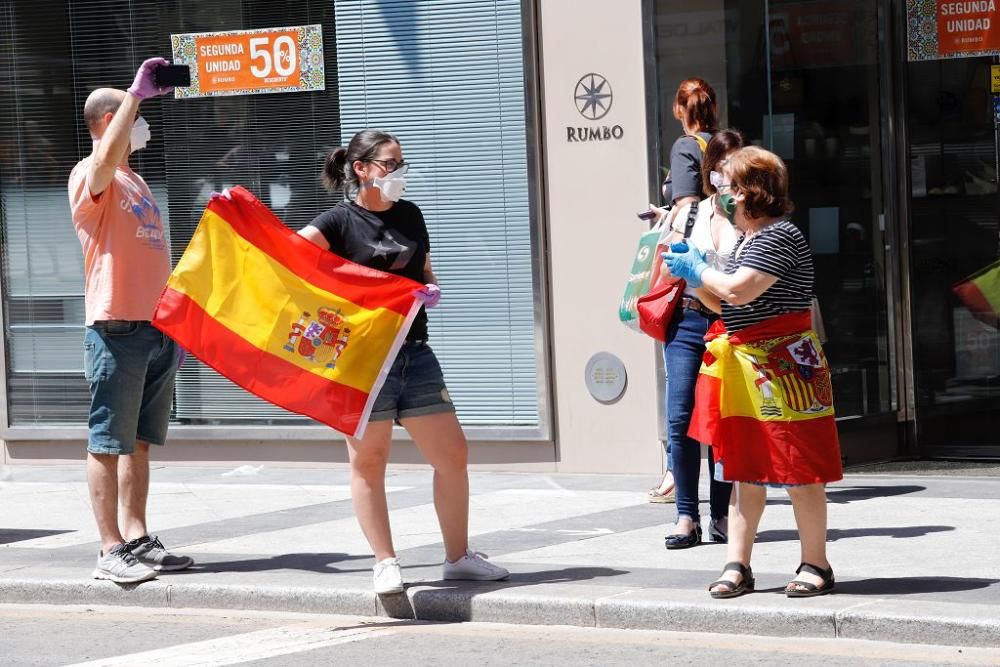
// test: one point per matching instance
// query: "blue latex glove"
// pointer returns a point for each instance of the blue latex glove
(688, 265)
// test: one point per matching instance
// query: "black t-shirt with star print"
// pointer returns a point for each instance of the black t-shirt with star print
(394, 241)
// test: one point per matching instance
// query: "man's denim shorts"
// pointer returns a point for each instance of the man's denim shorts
(130, 367)
(415, 386)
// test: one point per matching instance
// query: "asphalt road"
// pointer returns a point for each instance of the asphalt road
(70, 635)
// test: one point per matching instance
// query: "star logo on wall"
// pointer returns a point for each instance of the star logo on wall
(593, 96)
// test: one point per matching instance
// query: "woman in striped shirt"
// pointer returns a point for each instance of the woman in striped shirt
(763, 398)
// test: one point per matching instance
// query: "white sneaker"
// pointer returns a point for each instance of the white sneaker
(121, 567)
(387, 577)
(473, 566)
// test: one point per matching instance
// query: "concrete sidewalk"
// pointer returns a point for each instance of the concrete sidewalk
(916, 556)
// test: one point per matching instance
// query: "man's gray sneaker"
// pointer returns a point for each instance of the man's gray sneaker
(121, 567)
(151, 553)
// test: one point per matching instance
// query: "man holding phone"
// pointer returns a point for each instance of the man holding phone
(129, 365)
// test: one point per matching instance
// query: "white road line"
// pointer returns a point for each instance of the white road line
(242, 648)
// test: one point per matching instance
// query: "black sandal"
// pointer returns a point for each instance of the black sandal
(733, 590)
(805, 589)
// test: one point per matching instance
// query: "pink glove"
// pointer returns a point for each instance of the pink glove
(225, 194)
(429, 295)
(144, 85)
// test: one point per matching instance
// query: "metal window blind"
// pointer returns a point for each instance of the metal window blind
(447, 77)
(458, 107)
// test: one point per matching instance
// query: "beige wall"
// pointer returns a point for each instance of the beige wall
(593, 190)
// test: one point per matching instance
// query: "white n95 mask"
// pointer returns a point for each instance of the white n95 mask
(393, 185)
(140, 135)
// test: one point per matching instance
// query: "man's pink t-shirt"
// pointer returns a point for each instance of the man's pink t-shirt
(125, 252)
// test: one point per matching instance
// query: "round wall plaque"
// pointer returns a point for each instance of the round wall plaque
(606, 377)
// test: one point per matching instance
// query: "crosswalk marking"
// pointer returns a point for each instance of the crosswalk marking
(248, 647)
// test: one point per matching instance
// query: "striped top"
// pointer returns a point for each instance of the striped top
(781, 250)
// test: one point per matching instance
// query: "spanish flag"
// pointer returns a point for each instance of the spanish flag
(764, 401)
(292, 323)
(980, 293)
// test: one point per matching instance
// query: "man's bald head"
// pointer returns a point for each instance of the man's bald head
(100, 103)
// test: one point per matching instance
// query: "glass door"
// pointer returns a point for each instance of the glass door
(954, 248)
(825, 121)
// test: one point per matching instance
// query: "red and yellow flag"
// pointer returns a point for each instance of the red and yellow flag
(980, 293)
(764, 401)
(294, 324)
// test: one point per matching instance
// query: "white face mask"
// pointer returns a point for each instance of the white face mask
(393, 185)
(140, 135)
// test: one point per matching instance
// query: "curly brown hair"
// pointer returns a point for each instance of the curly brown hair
(722, 144)
(762, 178)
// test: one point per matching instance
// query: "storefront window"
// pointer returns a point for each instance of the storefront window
(52, 54)
(954, 236)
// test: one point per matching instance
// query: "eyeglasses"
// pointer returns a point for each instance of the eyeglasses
(391, 165)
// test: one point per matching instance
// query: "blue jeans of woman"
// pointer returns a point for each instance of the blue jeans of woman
(682, 356)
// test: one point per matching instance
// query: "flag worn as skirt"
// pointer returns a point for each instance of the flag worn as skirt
(764, 402)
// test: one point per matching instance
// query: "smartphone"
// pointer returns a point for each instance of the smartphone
(646, 215)
(172, 75)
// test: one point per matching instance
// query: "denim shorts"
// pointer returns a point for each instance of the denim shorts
(414, 387)
(130, 367)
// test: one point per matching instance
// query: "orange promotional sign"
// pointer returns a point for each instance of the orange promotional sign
(255, 60)
(245, 62)
(967, 27)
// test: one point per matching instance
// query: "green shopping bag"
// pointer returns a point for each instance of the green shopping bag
(639, 278)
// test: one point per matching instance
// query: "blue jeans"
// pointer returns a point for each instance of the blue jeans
(130, 367)
(682, 356)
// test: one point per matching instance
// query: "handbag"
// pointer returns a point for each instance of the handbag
(656, 309)
(638, 280)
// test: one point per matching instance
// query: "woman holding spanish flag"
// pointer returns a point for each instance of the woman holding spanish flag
(373, 226)
(763, 397)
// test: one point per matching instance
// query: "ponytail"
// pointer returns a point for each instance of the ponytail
(334, 173)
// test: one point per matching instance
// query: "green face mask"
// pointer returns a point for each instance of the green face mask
(728, 203)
